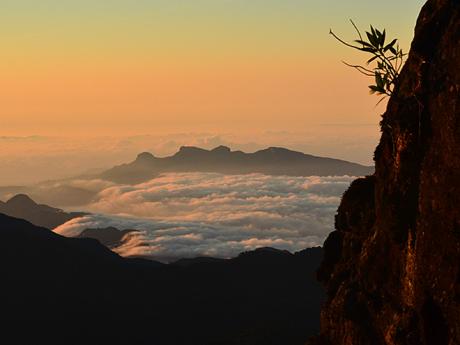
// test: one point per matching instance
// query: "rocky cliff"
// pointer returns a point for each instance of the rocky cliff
(392, 267)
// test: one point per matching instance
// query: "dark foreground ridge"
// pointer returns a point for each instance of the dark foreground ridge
(271, 161)
(392, 267)
(22, 206)
(264, 297)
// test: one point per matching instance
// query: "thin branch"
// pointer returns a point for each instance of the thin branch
(357, 30)
(386, 63)
(361, 69)
(342, 41)
(398, 64)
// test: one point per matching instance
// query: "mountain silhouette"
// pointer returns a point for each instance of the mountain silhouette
(22, 206)
(261, 297)
(110, 237)
(271, 161)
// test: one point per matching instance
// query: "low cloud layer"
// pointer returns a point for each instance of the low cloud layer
(193, 214)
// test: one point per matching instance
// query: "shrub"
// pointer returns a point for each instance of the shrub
(385, 62)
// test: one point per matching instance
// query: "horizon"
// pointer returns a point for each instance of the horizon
(244, 74)
(33, 159)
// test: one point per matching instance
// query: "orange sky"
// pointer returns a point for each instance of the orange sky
(244, 73)
(266, 95)
(71, 67)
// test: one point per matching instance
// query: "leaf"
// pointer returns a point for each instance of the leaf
(381, 100)
(364, 43)
(373, 31)
(368, 50)
(379, 37)
(376, 89)
(372, 39)
(378, 80)
(372, 59)
(390, 45)
(373, 89)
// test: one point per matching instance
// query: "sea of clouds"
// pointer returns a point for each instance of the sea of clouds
(208, 214)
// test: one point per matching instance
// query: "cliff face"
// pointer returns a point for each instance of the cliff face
(392, 267)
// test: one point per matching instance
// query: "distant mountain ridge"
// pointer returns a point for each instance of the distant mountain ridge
(22, 206)
(270, 161)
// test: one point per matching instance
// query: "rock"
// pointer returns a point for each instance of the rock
(392, 267)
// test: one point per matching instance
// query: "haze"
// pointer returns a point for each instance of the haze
(238, 71)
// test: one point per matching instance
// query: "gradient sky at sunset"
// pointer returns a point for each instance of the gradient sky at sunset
(137, 66)
(86, 84)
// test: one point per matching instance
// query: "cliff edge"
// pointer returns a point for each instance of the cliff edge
(392, 267)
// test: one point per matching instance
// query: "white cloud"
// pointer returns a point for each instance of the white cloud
(192, 214)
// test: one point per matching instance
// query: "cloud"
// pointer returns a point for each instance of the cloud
(30, 160)
(194, 214)
(64, 193)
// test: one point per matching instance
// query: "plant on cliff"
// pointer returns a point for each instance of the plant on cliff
(385, 62)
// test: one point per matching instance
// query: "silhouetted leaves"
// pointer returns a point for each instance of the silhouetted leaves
(388, 59)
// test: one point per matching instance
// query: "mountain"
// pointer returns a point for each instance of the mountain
(110, 237)
(261, 297)
(21, 206)
(392, 267)
(271, 161)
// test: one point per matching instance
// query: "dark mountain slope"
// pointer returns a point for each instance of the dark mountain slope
(271, 161)
(257, 298)
(110, 237)
(21, 206)
(392, 267)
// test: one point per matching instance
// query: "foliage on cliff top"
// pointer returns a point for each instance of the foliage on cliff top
(385, 63)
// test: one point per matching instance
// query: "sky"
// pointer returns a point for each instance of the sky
(124, 68)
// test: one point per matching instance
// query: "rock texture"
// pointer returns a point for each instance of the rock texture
(392, 267)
